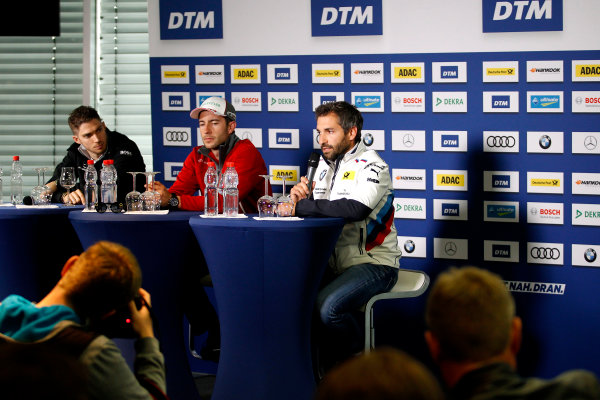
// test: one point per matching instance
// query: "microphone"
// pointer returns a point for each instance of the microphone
(313, 163)
(28, 200)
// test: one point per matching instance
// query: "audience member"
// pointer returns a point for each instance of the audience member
(383, 374)
(474, 336)
(94, 141)
(93, 285)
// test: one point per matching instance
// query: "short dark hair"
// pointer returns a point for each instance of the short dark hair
(81, 115)
(347, 113)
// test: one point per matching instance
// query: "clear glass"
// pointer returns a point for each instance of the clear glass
(284, 203)
(266, 204)
(150, 198)
(1, 193)
(67, 180)
(41, 194)
(133, 199)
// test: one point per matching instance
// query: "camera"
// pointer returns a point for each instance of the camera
(119, 324)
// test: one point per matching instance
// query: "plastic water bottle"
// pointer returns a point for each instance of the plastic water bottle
(211, 197)
(231, 196)
(91, 186)
(113, 171)
(107, 184)
(16, 181)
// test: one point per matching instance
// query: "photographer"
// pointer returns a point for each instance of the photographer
(94, 285)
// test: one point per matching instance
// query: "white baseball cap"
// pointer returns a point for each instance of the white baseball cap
(217, 105)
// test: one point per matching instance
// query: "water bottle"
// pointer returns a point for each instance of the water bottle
(113, 171)
(91, 187)
(211, 197)
(16, 181)
(106, 184)
(231, 196)
(1, 198)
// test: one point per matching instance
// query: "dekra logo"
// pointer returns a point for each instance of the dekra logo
(449, 71)
(500, 101)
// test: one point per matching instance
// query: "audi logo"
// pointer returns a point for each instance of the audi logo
(545, 253)
(177, 136)
(501, 141)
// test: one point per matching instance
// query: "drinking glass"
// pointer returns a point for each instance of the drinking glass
(266, 204)
(133, 199)
(41, 193)
(1, 195)
(150, 198)
(67, 180)
(284, 203)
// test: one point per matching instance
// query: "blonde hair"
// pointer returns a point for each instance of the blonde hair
(470, 312)
(104, 277)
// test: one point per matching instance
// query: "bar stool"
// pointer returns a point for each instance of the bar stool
(411, 283)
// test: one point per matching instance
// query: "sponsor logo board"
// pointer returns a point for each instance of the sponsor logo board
(368, 101)
(450, 180)
(585, 255)
(545, 213)
(545, 102)
(252, 134)
(408, 72)
(172, 170)
(455, 72)
(346, 18)
(201, 96)
(501, 141)
(374, 139)
(456, 210)
(450, 141)
(545, 182)
(455, 249)
(176, 101)
(501, 181)
(585, 183)
(585, 70)
(283, 101)
(413, 246)
(585, 142)
(290, 172)
(585, 102)
(545, 71)
(366, 72)
(408, 101)
(500, 102)
(585, 214)
(545, 253)
(210, 74)
(174, 74)
(500, 71)
(177, 136)
(502, 251)
(326, 97)
(181, 19)
(245, 74)
(247, 101)
(449, 102)
(282, 73)
(408, 179)
(545, 142)
(410, 208)
(328, 73)
(501, 211)
(284, 138)
(522, 15)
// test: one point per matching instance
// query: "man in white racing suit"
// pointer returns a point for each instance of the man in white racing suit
(353, 183)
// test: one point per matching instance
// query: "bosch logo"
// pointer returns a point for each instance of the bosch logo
(450, 248)
(501, 141)
(368, 139)
(545, 142)
(177, 136)
(545, 253)
(590, 255)
(578, 100)
(533, 211)
(409, 246)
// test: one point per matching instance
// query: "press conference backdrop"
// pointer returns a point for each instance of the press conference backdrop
(493, 142)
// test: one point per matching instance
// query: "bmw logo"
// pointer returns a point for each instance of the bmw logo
(590, 255)
(545, 142)
(368, 139)
(409, 246)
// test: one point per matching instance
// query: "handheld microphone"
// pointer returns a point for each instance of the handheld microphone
(313, 163)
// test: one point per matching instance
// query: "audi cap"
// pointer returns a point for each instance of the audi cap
(217, 105)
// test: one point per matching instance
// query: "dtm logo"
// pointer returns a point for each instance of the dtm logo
(346, 17)
(500, 101)
(189, 19)
(449, 140)
(449, 72)
(175, 101)
(500, 181)
(284, 137)
(282, 74)
(501, 250)
(327, 99)
(522, 15)
(450, 210)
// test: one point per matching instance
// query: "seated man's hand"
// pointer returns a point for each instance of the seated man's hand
(300, 190)
(141, 320)
(165, 196)
(75, 197)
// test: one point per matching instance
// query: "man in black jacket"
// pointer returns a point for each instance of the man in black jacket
(93, 141)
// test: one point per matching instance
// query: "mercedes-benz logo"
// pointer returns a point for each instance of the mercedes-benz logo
(368, 139)
(545, 253)
(590, 255)
(590, 142)
(545, 142)
(409, 246)
(450, 248)
(247, 135)
(501, 141)
(408, 140)
(317, 138)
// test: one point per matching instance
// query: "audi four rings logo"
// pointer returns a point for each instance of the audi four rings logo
(501, 141)
(545, 253)
(590, 255)
(177, 136)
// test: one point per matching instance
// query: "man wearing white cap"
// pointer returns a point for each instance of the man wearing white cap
(217, 121)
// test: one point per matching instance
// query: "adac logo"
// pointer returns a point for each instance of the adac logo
(500, 101)
(245, 73)
(346, 18)
(587, 70)
(182, 19)
(546, 102)
(288, 174)
(407, 72)
(451, 180)
(522, 15)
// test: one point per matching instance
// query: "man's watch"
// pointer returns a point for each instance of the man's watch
(173, 202)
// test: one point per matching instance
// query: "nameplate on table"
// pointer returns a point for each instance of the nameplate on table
(41, 206)
(278, 218)
(223, 216)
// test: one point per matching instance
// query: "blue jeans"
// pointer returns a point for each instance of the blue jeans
(339, 301)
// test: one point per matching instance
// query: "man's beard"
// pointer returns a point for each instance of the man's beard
(338, 150)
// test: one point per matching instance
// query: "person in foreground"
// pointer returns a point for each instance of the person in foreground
(474, 337)
(353, 183)
(383, 374)
(94, 141)
(217, 120)
(93, 285)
